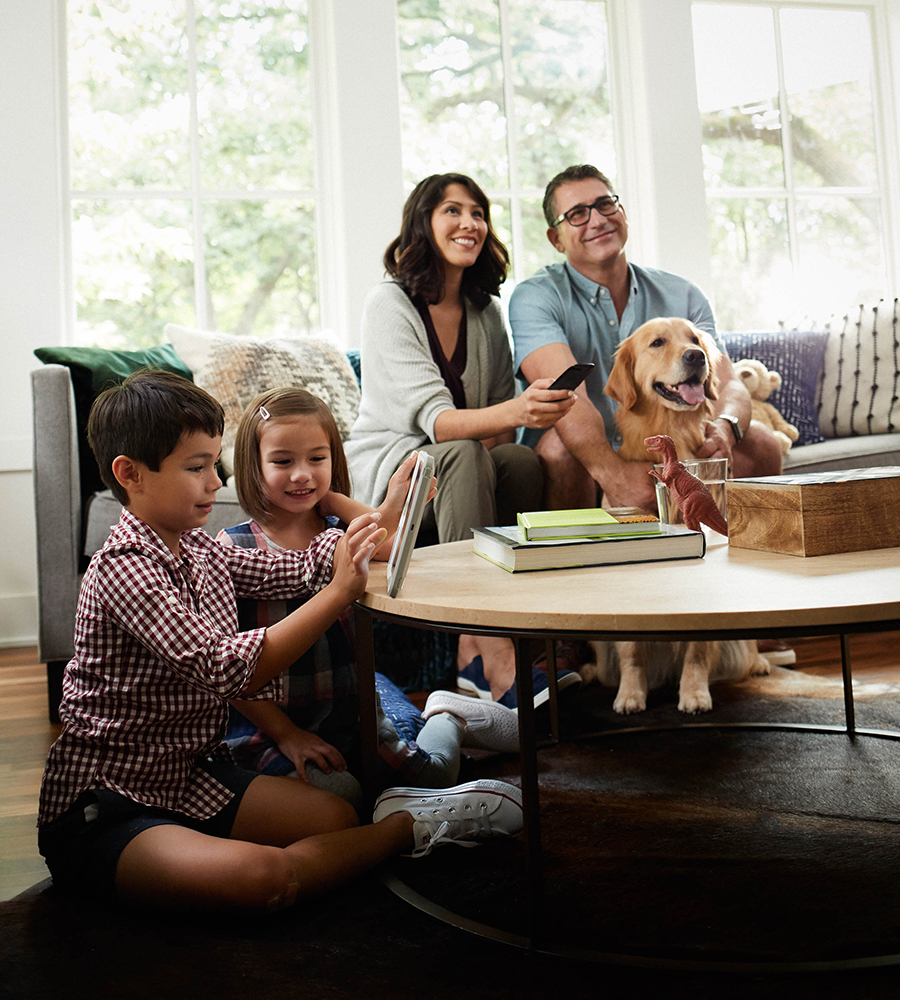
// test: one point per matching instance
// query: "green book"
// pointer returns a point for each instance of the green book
(591, 522)
(505, 547)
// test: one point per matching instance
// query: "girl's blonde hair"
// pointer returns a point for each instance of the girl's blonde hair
(286, 402)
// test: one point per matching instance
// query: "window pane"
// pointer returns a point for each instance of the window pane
(827, 69)
(737, 91)
(254, 102)
(452, 106)
(840, 252)
(260, 262)
(560, 71)
(133, 270)
(537, 249)
(751, 263)
(128, 104)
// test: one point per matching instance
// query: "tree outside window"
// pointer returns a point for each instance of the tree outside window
(191, 164)
(790, 159)
(509, 92)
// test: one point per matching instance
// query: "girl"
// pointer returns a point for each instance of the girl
(291, 476)
(438, 376)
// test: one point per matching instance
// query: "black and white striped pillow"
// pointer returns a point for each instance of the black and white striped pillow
(860, 381)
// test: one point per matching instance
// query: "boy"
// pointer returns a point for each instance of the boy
(139, 796)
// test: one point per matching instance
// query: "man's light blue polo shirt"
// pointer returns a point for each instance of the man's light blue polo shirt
(559, 305)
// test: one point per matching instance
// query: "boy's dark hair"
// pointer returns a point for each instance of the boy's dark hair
(414, 260)
(290, 401)
(145, 417)
(579, 172)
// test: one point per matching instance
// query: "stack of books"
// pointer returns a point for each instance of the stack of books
(562, 539)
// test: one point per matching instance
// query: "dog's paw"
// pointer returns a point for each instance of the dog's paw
(629, 703)
(590, 672)
(694, 702)
(760, 667)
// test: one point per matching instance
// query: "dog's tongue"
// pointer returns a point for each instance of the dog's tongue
(691, 392)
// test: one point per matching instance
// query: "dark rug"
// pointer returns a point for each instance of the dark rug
(737, 847)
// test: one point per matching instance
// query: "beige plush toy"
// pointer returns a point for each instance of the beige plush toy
(761, 383)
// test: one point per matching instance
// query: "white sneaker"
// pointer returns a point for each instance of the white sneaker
(461, 815)
(489, 725)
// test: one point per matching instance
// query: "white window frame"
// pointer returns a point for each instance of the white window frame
(885, 132)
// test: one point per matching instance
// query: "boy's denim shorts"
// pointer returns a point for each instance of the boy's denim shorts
(83, 845)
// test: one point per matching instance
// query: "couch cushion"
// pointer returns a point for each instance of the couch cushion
(93, 369)
(860, 385)
(798, 358)
(236, 369)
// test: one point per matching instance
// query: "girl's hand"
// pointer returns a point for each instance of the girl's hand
(398, 487)
(299, 746)
(540, 408)
(350, 571)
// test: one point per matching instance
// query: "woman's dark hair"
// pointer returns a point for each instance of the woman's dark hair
(415, 261)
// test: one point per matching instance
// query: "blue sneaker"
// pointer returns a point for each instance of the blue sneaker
(471, 678)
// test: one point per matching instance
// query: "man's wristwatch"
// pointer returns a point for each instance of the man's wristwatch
(735, 425)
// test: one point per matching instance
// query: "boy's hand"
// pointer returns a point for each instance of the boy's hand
(350, 572)
(299, 746)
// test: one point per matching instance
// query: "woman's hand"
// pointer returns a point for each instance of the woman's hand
(299, 746)
(350, 568)
(540, 407)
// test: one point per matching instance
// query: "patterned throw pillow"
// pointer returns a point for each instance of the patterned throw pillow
(860, 384)
(797, 357)
(236, 369)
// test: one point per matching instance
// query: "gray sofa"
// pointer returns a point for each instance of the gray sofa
(839, 388)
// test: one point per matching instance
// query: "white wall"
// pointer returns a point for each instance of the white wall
(30, 281)
(359, 174)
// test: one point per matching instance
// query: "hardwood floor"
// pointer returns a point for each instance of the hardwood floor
(26, 736)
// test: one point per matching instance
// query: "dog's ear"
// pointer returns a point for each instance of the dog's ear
(713, 357)
(620, 385)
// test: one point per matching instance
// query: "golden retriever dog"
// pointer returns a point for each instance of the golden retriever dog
(664, 381)
(637, 667)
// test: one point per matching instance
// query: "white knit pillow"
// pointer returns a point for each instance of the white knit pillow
(236, 369)
(860, 382)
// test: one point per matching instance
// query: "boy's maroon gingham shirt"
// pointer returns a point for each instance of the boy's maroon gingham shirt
(157, 653)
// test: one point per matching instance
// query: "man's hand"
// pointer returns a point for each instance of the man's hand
(718, 441)
(628, 484)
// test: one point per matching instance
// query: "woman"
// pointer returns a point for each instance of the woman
(437, 376)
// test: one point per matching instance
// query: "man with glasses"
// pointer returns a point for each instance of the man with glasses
(579, 311)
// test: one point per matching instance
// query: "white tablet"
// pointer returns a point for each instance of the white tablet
(410, 519)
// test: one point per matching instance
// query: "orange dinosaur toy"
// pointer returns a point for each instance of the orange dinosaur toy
(691, 496)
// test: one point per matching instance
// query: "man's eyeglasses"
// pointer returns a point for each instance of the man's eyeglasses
(579, 215)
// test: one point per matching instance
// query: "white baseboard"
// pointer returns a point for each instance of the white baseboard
(18, 620)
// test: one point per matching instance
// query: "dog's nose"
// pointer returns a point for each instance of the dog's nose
(694, 359)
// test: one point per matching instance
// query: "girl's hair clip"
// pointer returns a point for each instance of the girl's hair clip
(264, 413)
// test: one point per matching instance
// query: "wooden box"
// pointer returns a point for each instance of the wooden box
(816, 513)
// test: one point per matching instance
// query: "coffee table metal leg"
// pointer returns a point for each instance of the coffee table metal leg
(530, 794)
(368, 728)
(849, 711)
(550, 650)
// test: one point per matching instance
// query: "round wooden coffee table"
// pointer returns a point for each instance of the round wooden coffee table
(730, 594)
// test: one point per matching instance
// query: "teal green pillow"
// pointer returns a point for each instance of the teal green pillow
(94, 369)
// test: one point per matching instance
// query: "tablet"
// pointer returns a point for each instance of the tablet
(410, 519)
